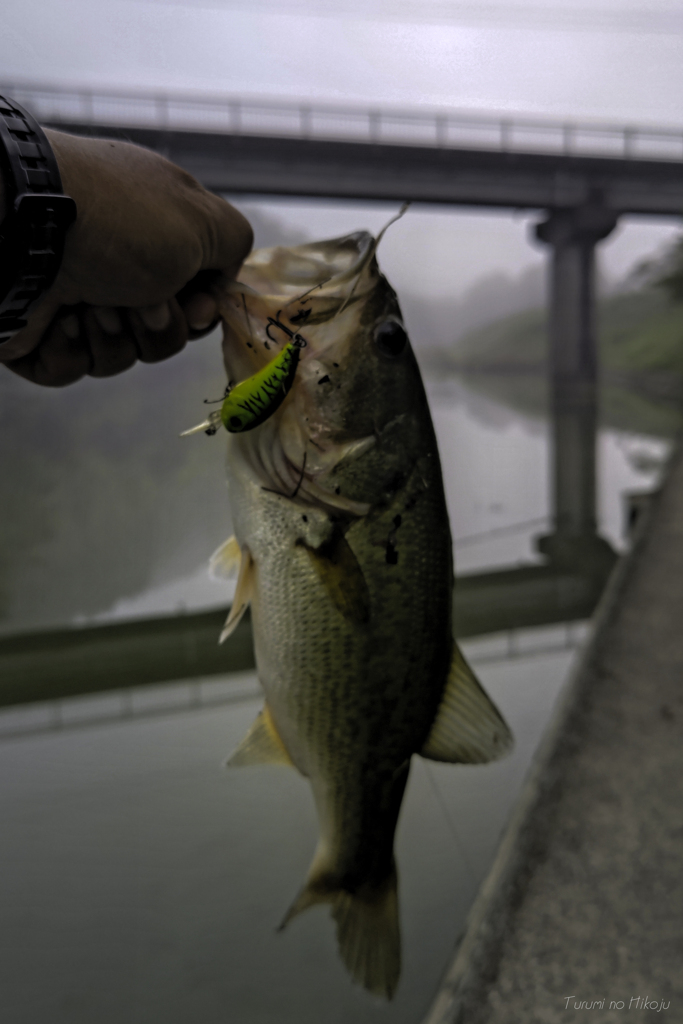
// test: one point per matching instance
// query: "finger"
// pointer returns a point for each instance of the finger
(200, 308)
(32, 335)
(62, 357)
(110, 339)
(160, 331)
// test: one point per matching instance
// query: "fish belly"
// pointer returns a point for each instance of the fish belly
(352, 700)
(352, 695)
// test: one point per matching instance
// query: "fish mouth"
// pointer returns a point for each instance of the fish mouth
(292, 273)
(292, 288)
(300, 290)
(311, 296)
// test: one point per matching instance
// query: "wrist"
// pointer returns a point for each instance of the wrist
(37, 215)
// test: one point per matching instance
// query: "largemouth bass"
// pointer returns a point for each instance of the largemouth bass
(344, 552)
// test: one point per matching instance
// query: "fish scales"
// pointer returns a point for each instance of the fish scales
(340, 514)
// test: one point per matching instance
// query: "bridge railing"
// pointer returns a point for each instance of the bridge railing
(163, 111)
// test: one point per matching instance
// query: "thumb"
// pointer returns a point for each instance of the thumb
(229, 239)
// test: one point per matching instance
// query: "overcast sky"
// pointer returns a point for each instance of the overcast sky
(614, 60)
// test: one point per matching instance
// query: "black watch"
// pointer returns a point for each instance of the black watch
(38, 214)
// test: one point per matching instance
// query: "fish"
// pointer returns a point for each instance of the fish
(343, 551)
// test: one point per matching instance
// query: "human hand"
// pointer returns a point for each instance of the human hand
(143, 263)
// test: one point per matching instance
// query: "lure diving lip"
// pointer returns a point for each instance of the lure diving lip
(254, 400)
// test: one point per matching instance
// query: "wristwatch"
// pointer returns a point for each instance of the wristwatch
(38, 214)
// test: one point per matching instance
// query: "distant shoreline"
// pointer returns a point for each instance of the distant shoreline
(657, 384)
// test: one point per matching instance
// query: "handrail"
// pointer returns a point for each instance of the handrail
(83, 711)
(442, 128)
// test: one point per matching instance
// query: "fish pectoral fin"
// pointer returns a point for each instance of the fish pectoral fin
(261, 745)
(243, 594)
(468, 727)
(224, 563)
(368, 930)
(340, 573)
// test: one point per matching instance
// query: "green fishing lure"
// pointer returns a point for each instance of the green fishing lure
(254, 400)
(250, 403)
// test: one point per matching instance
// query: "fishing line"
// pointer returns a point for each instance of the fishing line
(449, 821)
(303, 470)
(366, 260)
(371, 253)
(246, 314)
(271, 490)
(304, 294)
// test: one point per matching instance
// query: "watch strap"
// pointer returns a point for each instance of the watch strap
(38, 214)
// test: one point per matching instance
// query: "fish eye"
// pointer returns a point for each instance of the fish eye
(390, 337)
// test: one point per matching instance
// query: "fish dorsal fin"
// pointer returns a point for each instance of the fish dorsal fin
(468, 727)
(224, 563)
(261, 745)
(243, 594)
(340, 573)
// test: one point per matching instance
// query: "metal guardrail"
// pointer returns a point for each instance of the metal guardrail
(441, 129)
(90, 660)
(207, 692)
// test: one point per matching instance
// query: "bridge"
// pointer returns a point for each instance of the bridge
(233, 144)
(581, 177)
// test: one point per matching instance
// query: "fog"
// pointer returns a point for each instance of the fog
(609, 61)
(454, 269)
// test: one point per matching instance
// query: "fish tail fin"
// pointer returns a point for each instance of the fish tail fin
(368, 930)
(369, 935)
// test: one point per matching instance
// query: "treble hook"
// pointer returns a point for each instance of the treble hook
(295, 338)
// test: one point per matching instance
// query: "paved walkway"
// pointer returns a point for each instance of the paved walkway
(585, 900)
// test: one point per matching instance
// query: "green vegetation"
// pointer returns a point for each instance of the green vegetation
(638, 331)
(519, 339)
(640, 336)
(668, 272)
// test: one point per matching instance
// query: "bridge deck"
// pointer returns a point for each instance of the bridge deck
(327, 168)
(584, 899)
(234, 144)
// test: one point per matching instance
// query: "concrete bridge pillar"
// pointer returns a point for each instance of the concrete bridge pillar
(573, 235)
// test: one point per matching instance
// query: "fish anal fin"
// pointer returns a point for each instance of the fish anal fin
(261, 745)
(368, 930)
(225, 562)
(311, 894)
(340, 573)
(468, 728)
(243, 595)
